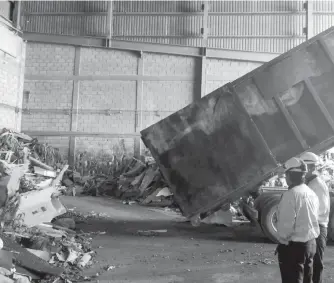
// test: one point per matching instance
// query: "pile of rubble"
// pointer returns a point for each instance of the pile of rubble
(38, 244)
(131, 181)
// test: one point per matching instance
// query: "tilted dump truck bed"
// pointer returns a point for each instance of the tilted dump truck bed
(222, 146)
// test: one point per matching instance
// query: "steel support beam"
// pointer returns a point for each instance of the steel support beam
(114, 44)
(240, 55)
(184, 14)
(79, 134)
(203, 76)
(139, 105)
(68, 111)
(308, 6)
(11, 107)
(149, 47)
(205, 8)
(110, 26)
(75, 107)
(205, 31)
(108, 78)
(17, 14)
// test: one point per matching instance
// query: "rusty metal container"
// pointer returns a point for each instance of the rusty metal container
(223, 146)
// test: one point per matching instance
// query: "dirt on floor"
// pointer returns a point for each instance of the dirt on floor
(183, 253)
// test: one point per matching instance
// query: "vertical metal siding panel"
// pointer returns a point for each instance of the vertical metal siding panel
(322, 22)
(323, 6)
(225, 25)
(124, 23)
(89, 24)
(121, 25)
(115, 25)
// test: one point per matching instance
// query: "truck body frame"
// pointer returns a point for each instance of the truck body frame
(223, 146)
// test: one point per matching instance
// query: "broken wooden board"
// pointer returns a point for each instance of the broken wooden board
(39, 163)
(148, 179)
(43, 172)
(23, 136)
(28, 260)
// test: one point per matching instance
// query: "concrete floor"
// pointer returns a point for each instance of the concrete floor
(182, 254)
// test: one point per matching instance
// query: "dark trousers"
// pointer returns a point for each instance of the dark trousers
(296, 261)
(318, 264)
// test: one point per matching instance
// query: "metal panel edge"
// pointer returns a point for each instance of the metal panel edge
(241, 55)
(283, 56)
(150, 47)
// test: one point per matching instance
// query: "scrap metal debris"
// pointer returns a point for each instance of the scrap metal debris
(131, 180)
(39, 244)
(150, 233)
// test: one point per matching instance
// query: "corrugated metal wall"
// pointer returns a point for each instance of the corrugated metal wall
(267, 26)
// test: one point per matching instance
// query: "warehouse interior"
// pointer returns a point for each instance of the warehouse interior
(84, 78)
(76, 52)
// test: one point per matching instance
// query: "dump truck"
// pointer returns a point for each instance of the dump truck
(224, 145)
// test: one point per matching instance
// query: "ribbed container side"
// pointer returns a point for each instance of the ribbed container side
(252, 25)
(64, 6)
(256, 6)
(157, 25)
(322, 22)
(163, 40)
(66, 25)
(157, 6)
(274, 45)
(323, 6)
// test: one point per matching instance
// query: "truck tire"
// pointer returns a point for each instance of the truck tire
(267, 220)
(261, 202)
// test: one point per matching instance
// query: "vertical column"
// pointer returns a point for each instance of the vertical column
(308, 30)
(17, 14)
(205, 30)
(20, 88)
(139, 101)
(205, 8)
(75, 107)
(203, 74)
(110, 26)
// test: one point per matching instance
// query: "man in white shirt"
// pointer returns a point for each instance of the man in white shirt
(297, 226)
(318, 185)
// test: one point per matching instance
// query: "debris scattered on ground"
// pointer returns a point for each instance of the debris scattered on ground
(111, 267)
(38, 238)
(130, 180)
(151, 232)
(67, 223)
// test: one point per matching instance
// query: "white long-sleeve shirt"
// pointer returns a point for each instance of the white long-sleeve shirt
(320, 188)
(297, 215)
